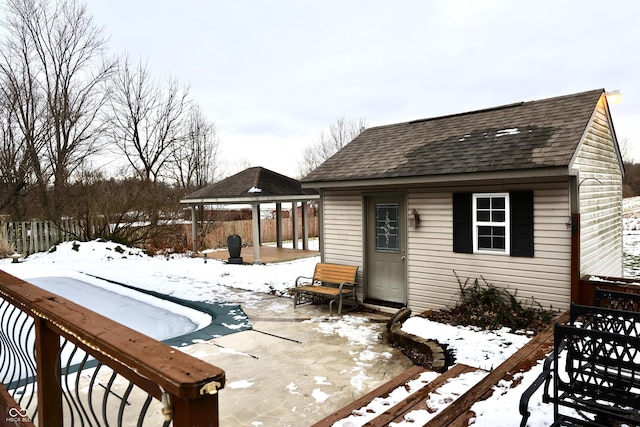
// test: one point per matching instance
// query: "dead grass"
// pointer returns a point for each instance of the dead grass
(488, 307)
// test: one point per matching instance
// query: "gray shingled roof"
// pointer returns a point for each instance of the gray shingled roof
(525, 135)
(253, 183)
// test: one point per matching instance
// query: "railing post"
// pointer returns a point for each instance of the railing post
(200, 412)
(49, 392)
(575, 259)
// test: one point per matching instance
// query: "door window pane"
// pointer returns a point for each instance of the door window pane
(387, 222)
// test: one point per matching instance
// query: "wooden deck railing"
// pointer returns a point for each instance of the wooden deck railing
(588, 285)
(71, 387)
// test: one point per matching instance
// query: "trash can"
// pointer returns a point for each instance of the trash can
(234, 244)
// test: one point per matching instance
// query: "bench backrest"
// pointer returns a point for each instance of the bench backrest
(618, 300)
(605, 319)
(335, 273)
(601, 371)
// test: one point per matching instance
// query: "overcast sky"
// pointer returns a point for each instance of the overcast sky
(274, 74)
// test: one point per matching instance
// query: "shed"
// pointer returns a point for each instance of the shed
(525, 196)
(255, 186)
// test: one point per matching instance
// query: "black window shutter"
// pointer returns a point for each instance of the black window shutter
(521, 223)
(462, 222)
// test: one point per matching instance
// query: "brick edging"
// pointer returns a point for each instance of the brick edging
(401, 338)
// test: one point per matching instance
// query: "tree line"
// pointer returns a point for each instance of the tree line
(631, 180)
(67, 104)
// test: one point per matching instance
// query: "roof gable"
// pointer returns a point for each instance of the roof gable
(525, 135)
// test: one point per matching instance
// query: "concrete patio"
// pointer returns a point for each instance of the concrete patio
(286, 372)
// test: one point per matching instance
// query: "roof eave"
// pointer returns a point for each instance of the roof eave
(558, 171)
(250, 200)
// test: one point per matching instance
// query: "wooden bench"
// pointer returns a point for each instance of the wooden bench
(333, 281)
(600, 375)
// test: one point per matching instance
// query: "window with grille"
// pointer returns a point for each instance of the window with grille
(491, 222)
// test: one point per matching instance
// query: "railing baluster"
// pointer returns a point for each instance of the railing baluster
(64, 385)
(143, 411)
(105, 398)
(92, 383)
(124, 403)
(84, 413)
(26, 331)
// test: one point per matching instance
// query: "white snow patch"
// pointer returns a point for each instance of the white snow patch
(319, 395)
(240, 384)
(321, 381)
(232, 351)
(357, 330)
(510, 131)
(480, 349)
(293, 389)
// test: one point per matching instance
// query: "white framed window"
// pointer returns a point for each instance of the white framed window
(491, 228)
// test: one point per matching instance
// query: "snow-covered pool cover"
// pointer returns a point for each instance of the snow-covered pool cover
(149, 315)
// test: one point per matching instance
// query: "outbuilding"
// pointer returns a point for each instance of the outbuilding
(255, 186)
(525, 196)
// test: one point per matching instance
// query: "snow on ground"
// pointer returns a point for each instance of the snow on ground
(177, 275)
(193, 279)
(484, 350)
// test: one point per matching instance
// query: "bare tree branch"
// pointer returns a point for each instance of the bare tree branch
(340, 133)
(147, 121)
(195, 162)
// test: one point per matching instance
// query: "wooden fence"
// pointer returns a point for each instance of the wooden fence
(29, 237)
(215, 234)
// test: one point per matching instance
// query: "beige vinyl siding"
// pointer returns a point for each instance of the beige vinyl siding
(432, 262)
(342, 228)
(600, 200)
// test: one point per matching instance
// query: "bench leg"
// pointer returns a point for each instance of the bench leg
(355, 305)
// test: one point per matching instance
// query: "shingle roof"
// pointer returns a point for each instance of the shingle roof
(535, 134)
(255, 182)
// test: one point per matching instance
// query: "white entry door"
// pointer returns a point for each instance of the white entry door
(386, 250)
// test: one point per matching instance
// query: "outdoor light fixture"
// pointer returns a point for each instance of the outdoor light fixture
(613, 97)
(414, 218)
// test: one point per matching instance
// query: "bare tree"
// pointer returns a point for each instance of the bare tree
(15, 165)
(340, 133)
(53, 61)
(626, 151)
(195, 161)
(147, 121)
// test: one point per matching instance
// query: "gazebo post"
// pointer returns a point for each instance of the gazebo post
(194, 228)
(255, 216)
(279, 224)
(305, 224)
(294, 223)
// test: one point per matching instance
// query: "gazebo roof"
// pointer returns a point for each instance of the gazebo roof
(253, 185)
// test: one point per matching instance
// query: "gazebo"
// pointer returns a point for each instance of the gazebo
(256, 186)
